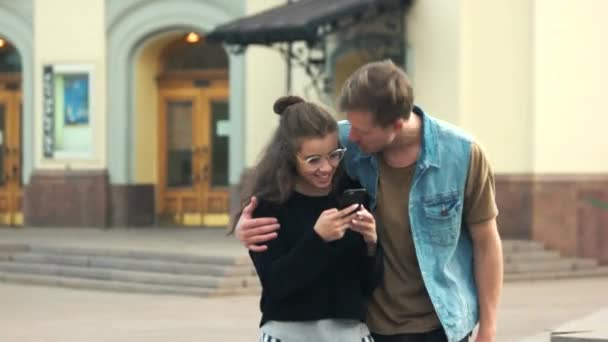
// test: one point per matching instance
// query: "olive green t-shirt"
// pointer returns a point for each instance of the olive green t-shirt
(401, 304)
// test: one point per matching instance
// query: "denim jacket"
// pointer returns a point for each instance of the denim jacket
(441, 239)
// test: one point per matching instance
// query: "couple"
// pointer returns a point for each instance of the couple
(426, 266)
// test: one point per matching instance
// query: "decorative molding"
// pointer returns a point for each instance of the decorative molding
(129, 25)
(16, 25)
(117, 10)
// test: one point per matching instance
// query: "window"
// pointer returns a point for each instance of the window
(10, 61)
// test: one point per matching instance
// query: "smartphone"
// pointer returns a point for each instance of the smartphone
(352, 196)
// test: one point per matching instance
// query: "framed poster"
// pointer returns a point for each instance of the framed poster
(67, 123)
(76, 99)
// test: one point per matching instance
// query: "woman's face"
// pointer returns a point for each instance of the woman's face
(318, 159)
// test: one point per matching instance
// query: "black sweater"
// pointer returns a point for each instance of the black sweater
(304, 278)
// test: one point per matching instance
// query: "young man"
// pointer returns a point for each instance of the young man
(432, 192)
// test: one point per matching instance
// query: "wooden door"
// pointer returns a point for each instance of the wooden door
(11, 213)
(215, 156)
(193, 156)
(180, 135)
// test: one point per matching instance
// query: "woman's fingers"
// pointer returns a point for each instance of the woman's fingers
(346, 220)
(364, 223)
(362, 231)
(347, 211)
(365, 215)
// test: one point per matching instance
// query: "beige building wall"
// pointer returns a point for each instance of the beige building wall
(470, 63)
(266, 78)
(146, 113)
(496, 80)
(301, 84)
(58, 40)
(147, 67)
(501, 70)
(570, 71)
(434, 56)
(265, 81)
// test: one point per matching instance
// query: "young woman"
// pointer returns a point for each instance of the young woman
(317, 275)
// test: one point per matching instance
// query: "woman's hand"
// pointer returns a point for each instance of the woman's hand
(365, 224)
(332, 223)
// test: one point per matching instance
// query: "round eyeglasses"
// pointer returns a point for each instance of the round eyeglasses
(315, 161)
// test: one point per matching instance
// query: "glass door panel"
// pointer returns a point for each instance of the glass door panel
(179, 164)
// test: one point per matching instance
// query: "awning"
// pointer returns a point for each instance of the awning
(304, 20)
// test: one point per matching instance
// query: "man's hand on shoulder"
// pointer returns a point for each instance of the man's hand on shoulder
(254, 232)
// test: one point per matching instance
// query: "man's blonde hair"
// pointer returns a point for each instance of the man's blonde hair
(381, 88)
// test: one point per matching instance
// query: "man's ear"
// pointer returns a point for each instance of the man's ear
(398, 124)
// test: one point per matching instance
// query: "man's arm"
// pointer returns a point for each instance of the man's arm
(488, 262)
(253, 232)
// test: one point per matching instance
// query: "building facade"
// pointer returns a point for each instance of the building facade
(121, 113)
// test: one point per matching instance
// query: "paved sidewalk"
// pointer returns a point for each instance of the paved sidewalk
(588, 328)
(536, 308)
(528, 312)
(41, 314)
(34, 314)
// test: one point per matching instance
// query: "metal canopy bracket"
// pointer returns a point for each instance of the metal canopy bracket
(313, 22)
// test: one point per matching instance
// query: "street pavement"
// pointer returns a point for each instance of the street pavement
(529, 310)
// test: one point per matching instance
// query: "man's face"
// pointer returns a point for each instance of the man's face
(364, 132)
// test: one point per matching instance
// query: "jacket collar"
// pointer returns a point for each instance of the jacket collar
(429, 155)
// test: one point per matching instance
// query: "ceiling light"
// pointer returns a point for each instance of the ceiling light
(193, 37)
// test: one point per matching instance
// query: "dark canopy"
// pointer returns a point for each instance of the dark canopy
(304, 20)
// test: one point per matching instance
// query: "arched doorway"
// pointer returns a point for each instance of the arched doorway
(181, 128)
(193, 133)
(131, 27)
(11, 184)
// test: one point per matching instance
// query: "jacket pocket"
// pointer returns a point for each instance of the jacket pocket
(442, 217)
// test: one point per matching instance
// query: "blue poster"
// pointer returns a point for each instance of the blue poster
(76, 99)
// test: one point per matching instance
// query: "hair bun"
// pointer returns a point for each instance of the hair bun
(283, 102)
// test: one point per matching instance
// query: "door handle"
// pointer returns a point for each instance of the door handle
(205, 174)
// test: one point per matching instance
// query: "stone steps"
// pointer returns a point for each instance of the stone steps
(531, 256)
(211, 275)
(510, 246)
(117, 286)
(550, 265)
(529, 260)
(128, 270)
(601, 271)
(142, 255)
(153, 278)
(160, 266)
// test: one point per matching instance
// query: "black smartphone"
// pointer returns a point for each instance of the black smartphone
(352, 196)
